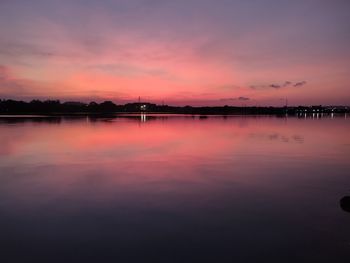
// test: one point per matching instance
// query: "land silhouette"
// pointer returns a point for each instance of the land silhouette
(345, 203)
(54, 107)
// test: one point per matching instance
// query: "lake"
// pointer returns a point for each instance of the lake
(161, 188)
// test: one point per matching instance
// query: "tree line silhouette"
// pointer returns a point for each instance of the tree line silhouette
(57, 107)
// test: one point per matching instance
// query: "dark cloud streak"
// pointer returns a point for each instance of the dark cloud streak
(279, 86)
(235, 99)
(299, 84)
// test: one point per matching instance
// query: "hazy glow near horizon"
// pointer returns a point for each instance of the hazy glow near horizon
(197, 52)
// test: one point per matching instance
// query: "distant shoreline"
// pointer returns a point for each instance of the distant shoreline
(159, 114)
(56, 108)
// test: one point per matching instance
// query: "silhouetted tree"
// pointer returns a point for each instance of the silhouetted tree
(107, 106)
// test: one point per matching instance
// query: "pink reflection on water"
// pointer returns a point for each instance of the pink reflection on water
(120, 139)
(124, 152)
(122, 181)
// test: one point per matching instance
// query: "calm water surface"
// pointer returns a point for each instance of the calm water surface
(174, 189)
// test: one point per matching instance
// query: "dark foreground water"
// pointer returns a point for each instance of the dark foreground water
(174, 189)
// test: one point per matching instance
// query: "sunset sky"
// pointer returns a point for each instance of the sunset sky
(197, 52)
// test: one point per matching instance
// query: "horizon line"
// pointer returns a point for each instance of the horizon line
(62, 101)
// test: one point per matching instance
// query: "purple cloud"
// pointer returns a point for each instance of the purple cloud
(279, 86)
(235, 99)
(300, 84)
